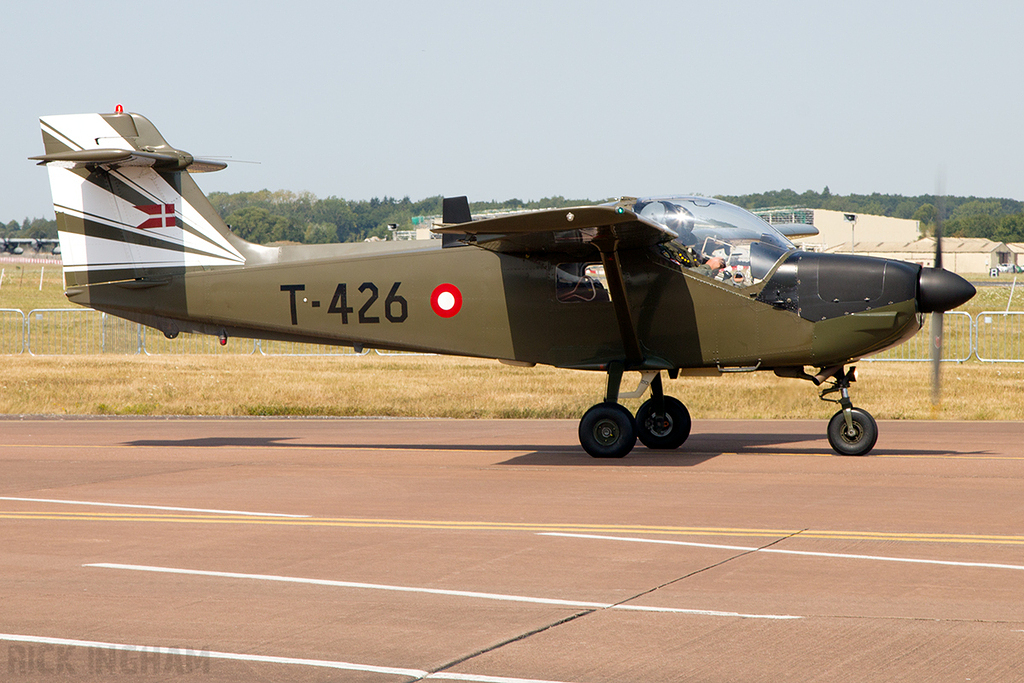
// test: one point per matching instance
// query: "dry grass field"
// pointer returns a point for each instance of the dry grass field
(451, 387)
(436, 386)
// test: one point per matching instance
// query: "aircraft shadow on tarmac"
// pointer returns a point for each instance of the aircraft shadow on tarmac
(699, 448)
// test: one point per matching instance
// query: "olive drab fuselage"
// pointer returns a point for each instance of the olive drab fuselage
(675, 284)
(510, 310)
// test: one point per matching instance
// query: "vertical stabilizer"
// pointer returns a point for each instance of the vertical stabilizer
(127, 207)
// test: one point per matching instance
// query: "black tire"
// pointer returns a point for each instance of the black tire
(660, 432)
(607, 430)
(858, 442)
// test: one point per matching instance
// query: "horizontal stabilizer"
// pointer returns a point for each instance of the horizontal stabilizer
(117, 158)
(793, 230)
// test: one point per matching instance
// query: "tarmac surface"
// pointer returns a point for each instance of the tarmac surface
(497, 551)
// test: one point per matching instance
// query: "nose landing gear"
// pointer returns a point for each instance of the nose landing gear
(608, 430)
(851, 431)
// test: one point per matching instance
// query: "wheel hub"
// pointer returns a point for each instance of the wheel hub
(853, 435)
(606, 432)
(659, 425)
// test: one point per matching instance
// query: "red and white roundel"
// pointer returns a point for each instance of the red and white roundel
(446, 300)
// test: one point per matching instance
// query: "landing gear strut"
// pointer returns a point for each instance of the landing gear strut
(608, 430)
(851, 431)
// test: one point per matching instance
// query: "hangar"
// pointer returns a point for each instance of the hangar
(895, 238)
(973, 255)
(836, 227)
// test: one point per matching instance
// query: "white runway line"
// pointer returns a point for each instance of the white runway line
(151, 507)
(779, 551)
(437, 591)
(265, 659)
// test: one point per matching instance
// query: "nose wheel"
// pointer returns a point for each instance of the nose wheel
(855, 436)
(851, 431)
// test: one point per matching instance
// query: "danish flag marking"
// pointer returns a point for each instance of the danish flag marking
(162, 216)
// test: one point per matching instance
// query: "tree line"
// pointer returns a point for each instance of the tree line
(269, 216)
(1001, 220)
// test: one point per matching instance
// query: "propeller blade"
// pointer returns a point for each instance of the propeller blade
(937, 315)
(936, 358)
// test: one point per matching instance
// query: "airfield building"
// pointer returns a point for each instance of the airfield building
(834, 228)
(973, 256)
(895, 238)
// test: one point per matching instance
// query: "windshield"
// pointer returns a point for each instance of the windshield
(716, 239)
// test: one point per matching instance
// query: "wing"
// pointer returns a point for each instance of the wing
(575, 230)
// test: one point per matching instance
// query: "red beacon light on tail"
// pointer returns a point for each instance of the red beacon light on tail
(119, 109)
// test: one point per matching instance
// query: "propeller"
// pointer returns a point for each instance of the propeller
(937, 315)
(938, 291)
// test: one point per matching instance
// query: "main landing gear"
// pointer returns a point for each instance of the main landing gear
(608, 430)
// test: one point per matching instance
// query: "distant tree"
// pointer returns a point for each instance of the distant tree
(320, 233)
(257, 224)
(874, 208)
(925, 213)
(905, 209)
(975, 225)
(978, 207)
(41, 228)
(1010, 229)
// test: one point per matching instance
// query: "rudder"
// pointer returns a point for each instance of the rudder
(126, 205)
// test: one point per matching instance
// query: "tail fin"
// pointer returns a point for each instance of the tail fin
(127, 208)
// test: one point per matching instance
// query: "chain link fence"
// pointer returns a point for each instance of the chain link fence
(990, 336)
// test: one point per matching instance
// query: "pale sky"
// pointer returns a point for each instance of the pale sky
(531, 99)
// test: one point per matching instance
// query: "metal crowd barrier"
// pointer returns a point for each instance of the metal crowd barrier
(957, 341)
(998, 337)
(12, 331)
(72, 331)
(990, 336)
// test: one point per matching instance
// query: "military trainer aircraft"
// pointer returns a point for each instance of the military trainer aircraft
(677, 285)
(16, 245)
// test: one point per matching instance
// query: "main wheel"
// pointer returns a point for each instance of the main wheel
(858, 441)
(663, 431)
(607, 430)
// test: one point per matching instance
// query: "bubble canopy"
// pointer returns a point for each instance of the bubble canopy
(747, 246)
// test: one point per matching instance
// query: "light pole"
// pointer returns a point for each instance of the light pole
(851, 218)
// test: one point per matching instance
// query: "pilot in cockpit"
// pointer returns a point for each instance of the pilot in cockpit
(710, 260)
(713, 267)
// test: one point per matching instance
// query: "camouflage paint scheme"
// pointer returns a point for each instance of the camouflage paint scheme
(141, 241)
